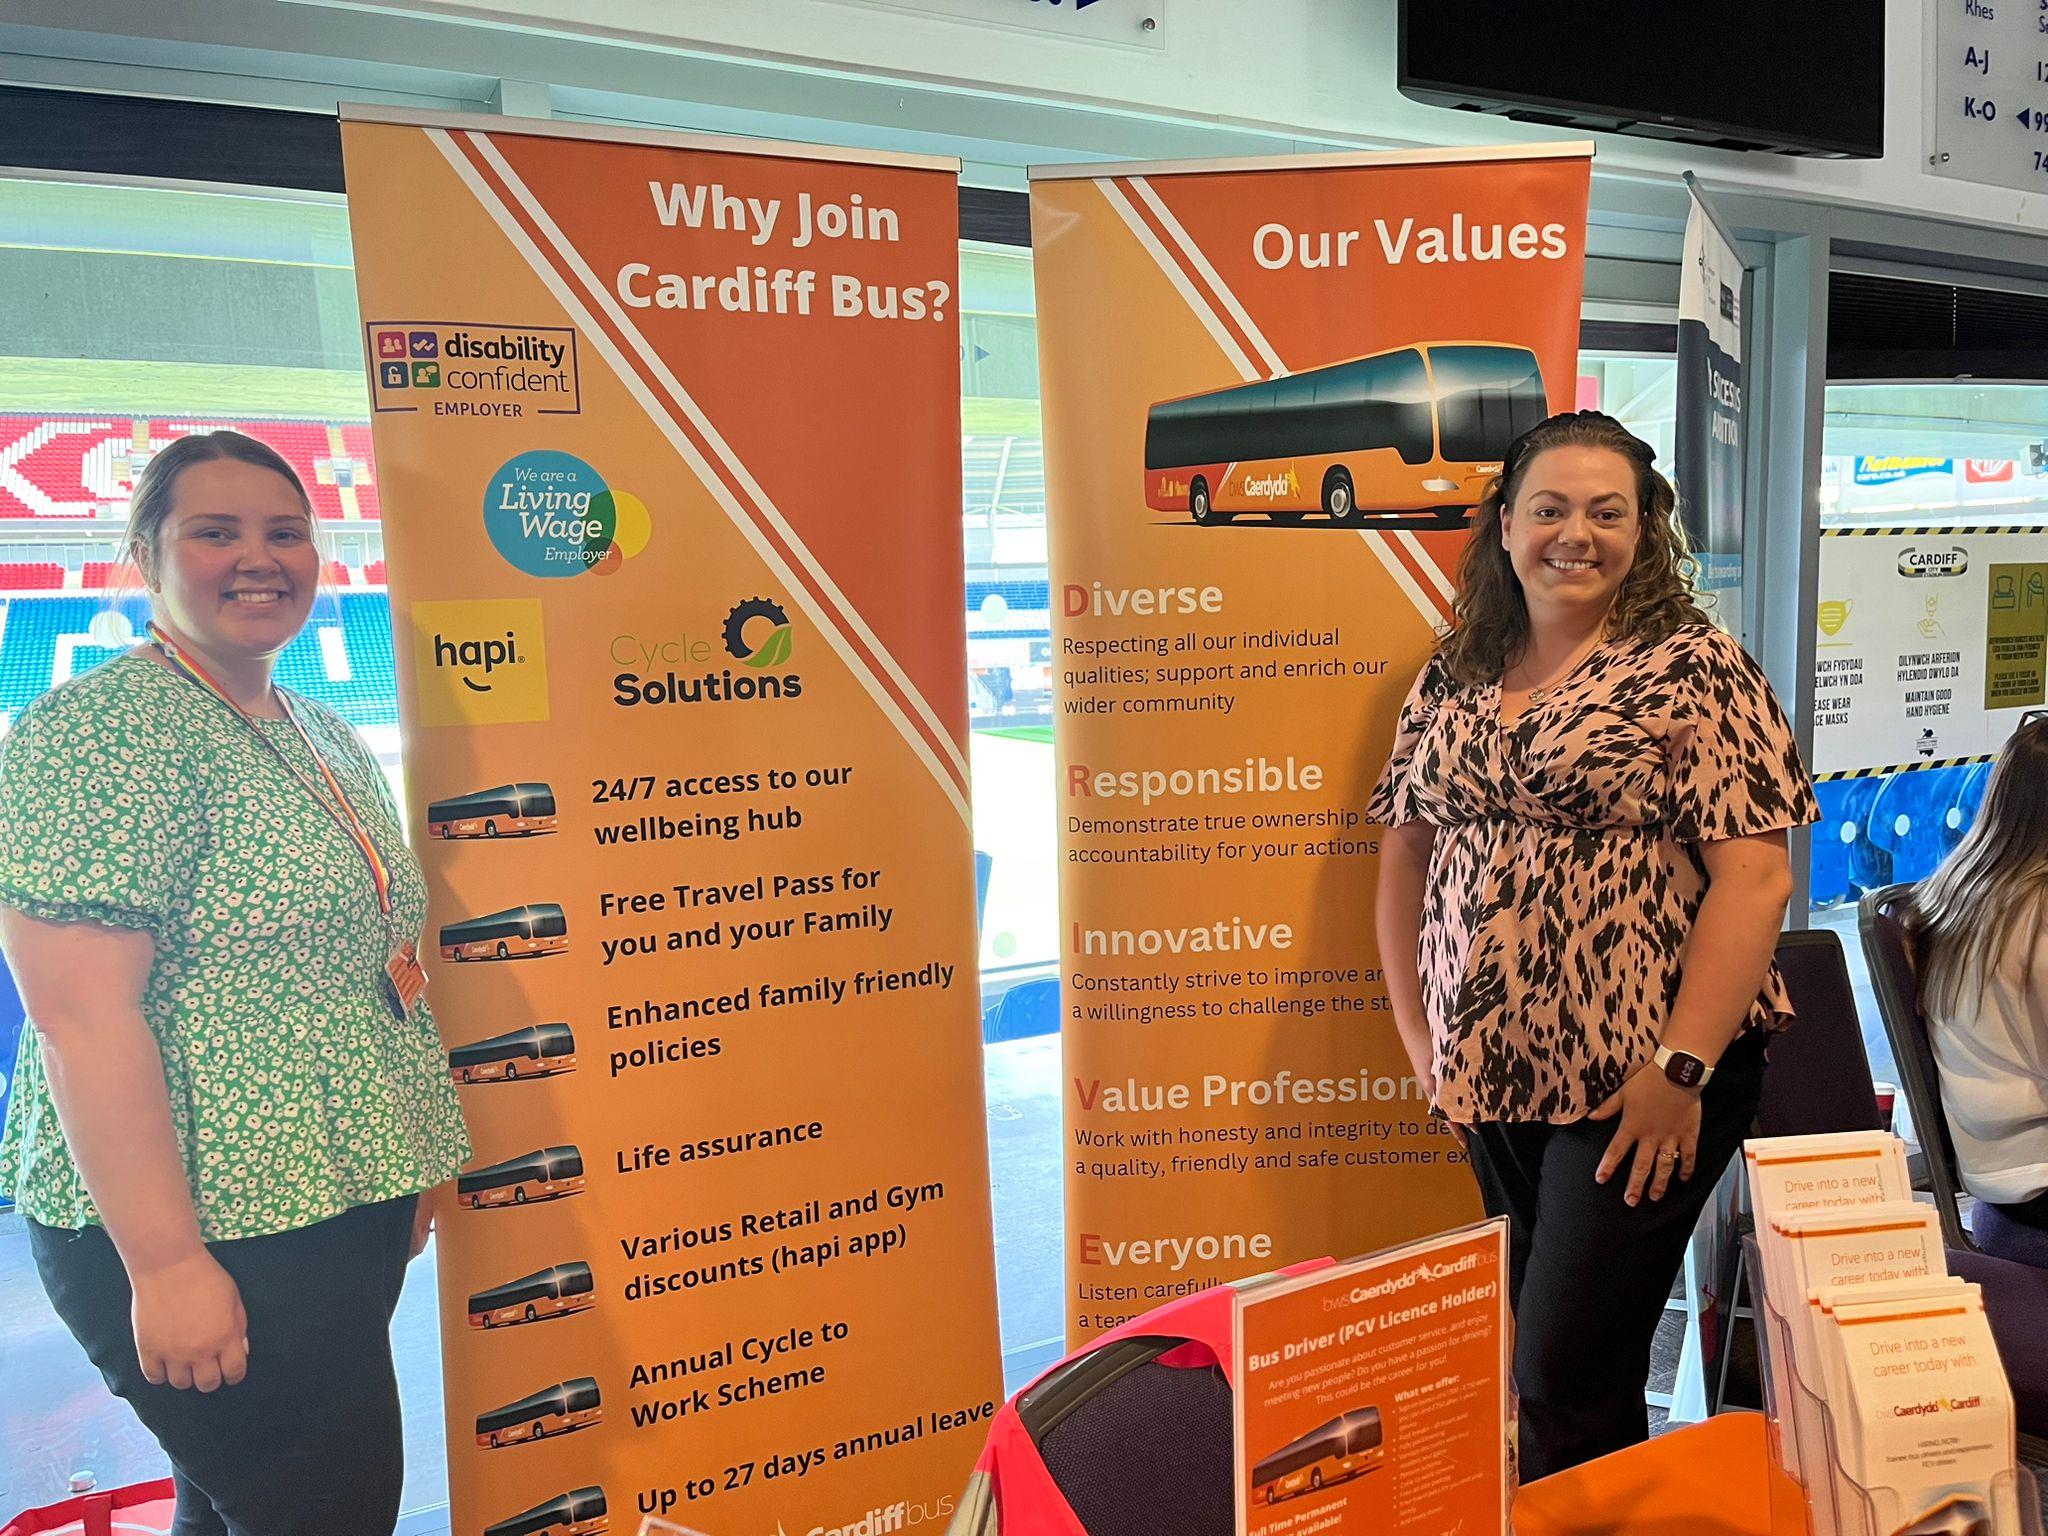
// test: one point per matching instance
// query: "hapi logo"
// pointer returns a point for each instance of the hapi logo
(472, 655)
(480, 663)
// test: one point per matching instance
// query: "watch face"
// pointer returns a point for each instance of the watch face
(1684, 1070)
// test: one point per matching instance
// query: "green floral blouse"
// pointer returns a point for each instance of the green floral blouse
(130, 798)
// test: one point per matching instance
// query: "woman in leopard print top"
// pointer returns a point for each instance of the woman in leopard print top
(1586, 811)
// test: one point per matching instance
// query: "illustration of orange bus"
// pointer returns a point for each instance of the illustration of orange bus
(562, 1409)
(539, 1050)
(510, 810)
(579, 1512)
(1345, 1447)
(557, 1291)
(1419, 429)
(551, 1173)
(539, 929)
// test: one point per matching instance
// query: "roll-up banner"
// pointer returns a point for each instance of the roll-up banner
(1709, 427)
(1273, 392)
(668, 441)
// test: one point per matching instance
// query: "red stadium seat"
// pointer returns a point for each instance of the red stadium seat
(374, 573)
(96, 573)
(337, 574)
(35, 576)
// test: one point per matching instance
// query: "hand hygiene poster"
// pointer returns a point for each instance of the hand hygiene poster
(1273, 391)
(678, 593)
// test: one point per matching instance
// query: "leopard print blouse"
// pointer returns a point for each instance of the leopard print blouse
(1567, 872)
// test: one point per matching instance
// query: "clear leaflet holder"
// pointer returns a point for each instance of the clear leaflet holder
(1839, 1506)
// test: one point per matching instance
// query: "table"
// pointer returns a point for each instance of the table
(1712, 1479)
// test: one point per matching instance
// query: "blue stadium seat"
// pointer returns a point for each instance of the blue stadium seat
(1869, 865)
(1962, 810)
(1827, 874)
(35, 625)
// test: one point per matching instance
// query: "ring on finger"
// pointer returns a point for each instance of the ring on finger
(1668, 1155)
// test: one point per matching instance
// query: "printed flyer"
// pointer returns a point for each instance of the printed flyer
(1273, 392)
(1373, 1397)
(679, 612)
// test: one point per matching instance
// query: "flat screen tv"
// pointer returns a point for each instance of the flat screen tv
(1802, 77)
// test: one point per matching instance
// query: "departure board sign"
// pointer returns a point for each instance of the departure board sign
(1991, 93)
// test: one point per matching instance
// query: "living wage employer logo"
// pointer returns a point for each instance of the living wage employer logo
(551, 514)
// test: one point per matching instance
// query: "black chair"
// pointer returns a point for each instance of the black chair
(1880, 922)
(1818, 1080)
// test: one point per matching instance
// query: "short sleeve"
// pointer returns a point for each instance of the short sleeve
(86, 826)
(1735, 769)
(1393, 797)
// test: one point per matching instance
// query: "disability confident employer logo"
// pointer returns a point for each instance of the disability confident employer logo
(473, 369)
(550, 514)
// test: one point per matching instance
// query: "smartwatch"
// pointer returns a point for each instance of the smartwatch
(1683, 1068)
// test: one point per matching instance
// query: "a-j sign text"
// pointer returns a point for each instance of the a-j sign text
(1134, 23)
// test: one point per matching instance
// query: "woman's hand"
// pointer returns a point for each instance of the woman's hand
(1661, 1121)
(190, 1329)
(422, 1224)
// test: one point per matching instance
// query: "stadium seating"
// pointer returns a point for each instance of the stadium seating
(374, 573)
(46, 639)
(32, 576)
(81, 466)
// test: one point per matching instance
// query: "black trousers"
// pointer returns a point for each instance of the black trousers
(1589, 1274)
(309, 1443)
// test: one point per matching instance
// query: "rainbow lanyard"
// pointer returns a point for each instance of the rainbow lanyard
(338, 806)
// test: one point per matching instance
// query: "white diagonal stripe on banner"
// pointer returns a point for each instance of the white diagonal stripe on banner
(1428, 566)
(1179, 279)
(1201, 264)
(1403, 577)
(733, 463)
(542, 268)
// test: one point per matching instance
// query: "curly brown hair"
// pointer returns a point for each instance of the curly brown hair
(1490, 617)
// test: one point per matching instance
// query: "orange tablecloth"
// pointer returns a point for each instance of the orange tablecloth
(1711, 1479)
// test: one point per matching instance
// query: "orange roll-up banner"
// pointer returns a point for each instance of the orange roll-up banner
(1273, 391)
(668, 455)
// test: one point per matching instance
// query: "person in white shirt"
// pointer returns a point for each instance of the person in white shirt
(1980, 930)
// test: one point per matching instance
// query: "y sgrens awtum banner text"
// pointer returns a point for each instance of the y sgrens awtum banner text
(668, 454)
(1272, 393)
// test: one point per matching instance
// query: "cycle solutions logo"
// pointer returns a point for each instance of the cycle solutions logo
(686, 668)
(473, 370)
(550, 515)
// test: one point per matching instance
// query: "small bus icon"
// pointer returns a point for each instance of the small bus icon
(550, 1173)
(538, 929)
(561, 1409)
(510, 810)
(539, 1050)
(557, 1291)
(1347, 1446)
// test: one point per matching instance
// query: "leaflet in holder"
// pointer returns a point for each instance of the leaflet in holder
(1372, 1397)
(1932, 1442)
(1796, 1175)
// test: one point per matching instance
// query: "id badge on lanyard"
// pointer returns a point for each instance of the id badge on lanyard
(405, 981)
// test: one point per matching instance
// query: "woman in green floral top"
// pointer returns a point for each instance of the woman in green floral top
(232, 1098)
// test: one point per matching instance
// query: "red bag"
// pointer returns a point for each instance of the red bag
(1128, 1436)
(140, 1508)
